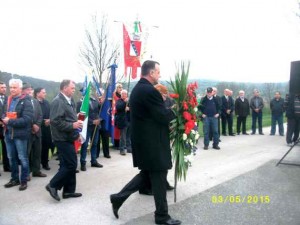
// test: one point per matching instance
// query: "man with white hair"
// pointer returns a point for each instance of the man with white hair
(122, 122)
(242, 110)
(18, 123)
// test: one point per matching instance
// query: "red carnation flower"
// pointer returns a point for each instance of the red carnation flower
(174, 95)
(187, 116)
(185, 105)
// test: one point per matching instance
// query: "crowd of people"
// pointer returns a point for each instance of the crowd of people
(30, 127)
(215, 109)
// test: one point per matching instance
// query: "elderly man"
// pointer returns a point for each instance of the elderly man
(122, 122)
(242, 110)
(150, 143)
(64, 128)
(18, 121)
(257, 105)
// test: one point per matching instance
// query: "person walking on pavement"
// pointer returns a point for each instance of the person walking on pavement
(64, 128)
(150, 143)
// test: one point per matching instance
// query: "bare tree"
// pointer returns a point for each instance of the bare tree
(268, 90)
(98, 52)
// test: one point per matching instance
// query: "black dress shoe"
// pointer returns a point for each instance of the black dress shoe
(39, 174)
(170, 222)
(245, 134)
(115, 205)
(23, 186)
(46, 167)
(261, 133)
(231, 134)
(145, 192)
(77, 171)
(71, 195)
(12, 183)
(53, 192)
(107, 156)
(169, 187)
(216, 147)
(83, 168)
(6, 169)
(96, 164)
(205, 148)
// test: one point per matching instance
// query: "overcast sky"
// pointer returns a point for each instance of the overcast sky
(233, 40)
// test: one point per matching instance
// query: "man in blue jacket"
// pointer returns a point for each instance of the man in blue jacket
(18, 122)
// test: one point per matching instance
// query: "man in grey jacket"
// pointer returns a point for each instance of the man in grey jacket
(256, 104)
(64, 128)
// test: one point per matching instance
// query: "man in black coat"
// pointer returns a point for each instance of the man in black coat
(242, 110)
(40, 95)
(227, 109)
(150, 143)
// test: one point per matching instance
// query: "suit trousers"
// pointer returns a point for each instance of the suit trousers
(34, 153)
(66, 176)
(159, 189)
(5, 160)
(241, 120)
(104, 138)
(227, 119)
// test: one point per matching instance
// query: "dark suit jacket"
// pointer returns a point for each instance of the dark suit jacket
(150, 128)
(242, 108)
(227, 105)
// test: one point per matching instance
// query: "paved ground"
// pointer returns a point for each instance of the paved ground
(245, 166)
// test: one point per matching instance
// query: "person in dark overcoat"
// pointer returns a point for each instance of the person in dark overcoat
(150, 143)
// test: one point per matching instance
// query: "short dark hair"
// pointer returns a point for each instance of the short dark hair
(1, 82)
(148, 66)
(26, 85)
(37, 90)
(65, 83)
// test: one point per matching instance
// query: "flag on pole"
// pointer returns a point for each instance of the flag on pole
(85, 109)
(132, 52)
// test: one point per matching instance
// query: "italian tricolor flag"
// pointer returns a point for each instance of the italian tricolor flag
(85, 109)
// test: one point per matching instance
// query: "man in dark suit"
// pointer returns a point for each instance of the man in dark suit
(3, 103)
(40, 95)
(150, 143)
(34, 142)
(64, 128)
(242, 110)
(227, 112)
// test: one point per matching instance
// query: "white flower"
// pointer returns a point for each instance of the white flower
(197, 136)
(184, 136)
(196, 109)
(193, 132)
(189, 158)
